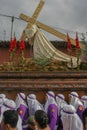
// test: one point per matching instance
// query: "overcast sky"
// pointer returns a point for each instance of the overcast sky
(70, 15)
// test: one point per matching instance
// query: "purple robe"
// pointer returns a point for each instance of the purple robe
(79, 111)
(60, 124)
(52, 116)
(23, 112)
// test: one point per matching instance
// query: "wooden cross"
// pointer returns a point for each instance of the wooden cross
(32, 20)
(34, 17)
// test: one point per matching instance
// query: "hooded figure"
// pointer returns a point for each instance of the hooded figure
(51, 109)
(75, 101)
(70, 119)
(33, 104)
(10, 105)
(60, 99)
(84, 101)
(22, 109)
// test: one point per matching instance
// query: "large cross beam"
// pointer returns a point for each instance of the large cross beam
(32, 20)
(34, 17)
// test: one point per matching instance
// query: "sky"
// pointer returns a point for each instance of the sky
(64, 15)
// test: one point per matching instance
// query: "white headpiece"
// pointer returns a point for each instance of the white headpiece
(2, 95)
(1, 101)
(50, 99)
(60, 99)
(20, 100)
(70, 119)
(84, 101)
(22, 95)
(75, 94)
(31, 96)
(74, 98)
(9, 104)
(33, 104)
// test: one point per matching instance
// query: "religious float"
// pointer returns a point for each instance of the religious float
(48, 69)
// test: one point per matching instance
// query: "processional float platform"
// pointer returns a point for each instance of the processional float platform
(39, 83)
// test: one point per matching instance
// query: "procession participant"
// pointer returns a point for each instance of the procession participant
(70, 119)
(10, 105)
(33, 104)
(84, 101)
(2, 100)
(60, 99)
(31, 123)
(1, 104)
(10, 119)
(2, 96)
(51, 109)
(41, 120)
(75, 101)
(22, 109)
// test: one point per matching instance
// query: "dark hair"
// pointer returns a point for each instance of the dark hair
(30, 120)
(10, 117)
(41, 118)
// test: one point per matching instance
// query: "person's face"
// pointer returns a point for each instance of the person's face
(4, 126)
(36, 125)
(33, 127)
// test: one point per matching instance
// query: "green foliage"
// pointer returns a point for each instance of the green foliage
(42, 61)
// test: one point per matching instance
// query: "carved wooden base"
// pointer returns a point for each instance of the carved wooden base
(40, 82)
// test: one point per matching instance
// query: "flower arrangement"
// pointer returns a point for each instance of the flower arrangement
(78, 50)
(21, 49)
(12, 49)
(69, 49)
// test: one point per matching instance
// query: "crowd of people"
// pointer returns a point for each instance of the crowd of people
(55, 114)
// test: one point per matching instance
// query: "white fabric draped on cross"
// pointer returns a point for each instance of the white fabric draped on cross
(43, 47)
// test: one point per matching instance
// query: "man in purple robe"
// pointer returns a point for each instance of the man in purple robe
(84, 101)
(22, 109)
(60, 99)
(51, 109)
(75, 101)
